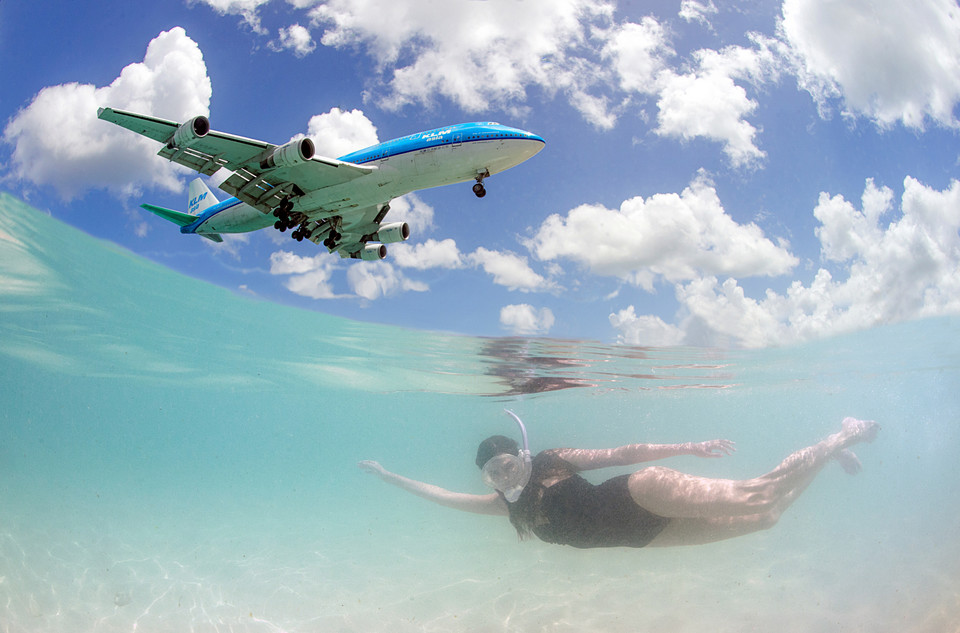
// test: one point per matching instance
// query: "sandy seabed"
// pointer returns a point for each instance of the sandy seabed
(83, 575)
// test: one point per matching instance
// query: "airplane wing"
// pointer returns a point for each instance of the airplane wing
(264, 175)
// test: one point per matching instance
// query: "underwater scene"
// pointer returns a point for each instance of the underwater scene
(178, 457)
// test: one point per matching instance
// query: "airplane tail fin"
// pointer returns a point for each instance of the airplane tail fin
(200, 198)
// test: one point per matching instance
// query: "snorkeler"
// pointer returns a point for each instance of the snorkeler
(654, 506)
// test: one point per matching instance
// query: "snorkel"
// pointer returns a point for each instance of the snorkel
(510, 473)
(525, 451)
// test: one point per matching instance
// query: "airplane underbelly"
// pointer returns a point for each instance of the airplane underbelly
(435, 167)
(460, 163)
(239, 219)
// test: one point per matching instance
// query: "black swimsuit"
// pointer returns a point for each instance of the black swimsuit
(577, 513)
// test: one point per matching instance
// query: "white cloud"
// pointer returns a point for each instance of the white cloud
(312, 277)
(888, 60)
(704, 102)
(678, 237)
(287, 263)
(707, 103)
(476, 54)
(696, 11)
(639, 53)
(247, 9)
(509, 269)
(525, 320)
(308, 276)
(908, 269)
(372, 280)
(296, 38)
(337, 132)
(59, 141)
(429, 254)
(647, 330)
(412, 210)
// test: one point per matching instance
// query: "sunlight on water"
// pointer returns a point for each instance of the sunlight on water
(173, 458)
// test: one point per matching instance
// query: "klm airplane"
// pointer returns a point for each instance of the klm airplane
(340, 203)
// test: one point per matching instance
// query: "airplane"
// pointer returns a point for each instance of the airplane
(337, 202)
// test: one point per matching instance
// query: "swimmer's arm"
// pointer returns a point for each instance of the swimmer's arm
(478, 504)
(589, 459)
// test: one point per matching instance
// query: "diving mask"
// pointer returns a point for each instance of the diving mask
(510, 473)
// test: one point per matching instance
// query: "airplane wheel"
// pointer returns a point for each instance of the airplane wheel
(479, 190)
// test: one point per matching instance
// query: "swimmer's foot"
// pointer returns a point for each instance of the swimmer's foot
(849, 462)
(856, 431)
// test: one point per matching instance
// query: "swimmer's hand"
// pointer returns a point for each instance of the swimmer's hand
(712, 448)
(371, 467)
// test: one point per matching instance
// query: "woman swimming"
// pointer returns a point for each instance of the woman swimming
(655, 506)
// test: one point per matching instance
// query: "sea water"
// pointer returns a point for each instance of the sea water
(175, 457)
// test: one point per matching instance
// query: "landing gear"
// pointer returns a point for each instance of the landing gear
(302, 232)
(287, 219)
(332, 239)
(282, 213)
(478, 189)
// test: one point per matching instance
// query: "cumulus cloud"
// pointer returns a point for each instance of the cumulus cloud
(647, 330)
(477, 54)
(703, 102)
(908, 268)
(525, 320)
(246, 9)
(639, 52)
(412, 210)
(338, 132)
(696, 11)
(308, 276)
(509, 269)
(888, 60)
(372, 280)
(295, 38)
(429, 254)
(708, 103)
(677, 237)
(59, 141)
(313, 277)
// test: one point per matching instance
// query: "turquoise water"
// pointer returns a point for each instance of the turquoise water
(177, 457)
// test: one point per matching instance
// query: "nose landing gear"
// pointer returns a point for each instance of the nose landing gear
(478, 188)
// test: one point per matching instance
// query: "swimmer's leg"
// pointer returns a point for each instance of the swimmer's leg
(700, 531)
(673, 494)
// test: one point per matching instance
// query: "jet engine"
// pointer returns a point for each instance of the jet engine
(372, 252)
(392, 233)
(293, 153)
(190, 132)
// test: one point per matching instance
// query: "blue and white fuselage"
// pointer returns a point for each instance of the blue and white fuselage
(448, 155)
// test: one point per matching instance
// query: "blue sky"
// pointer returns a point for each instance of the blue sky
(750, 176)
